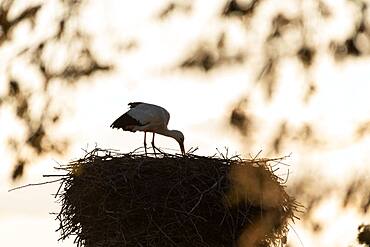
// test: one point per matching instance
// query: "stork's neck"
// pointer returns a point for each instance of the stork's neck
(167, 132)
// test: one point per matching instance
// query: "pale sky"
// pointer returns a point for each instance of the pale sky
(199, 105)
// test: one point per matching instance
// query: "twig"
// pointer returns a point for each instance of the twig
(296, 235)
(164, 233)
(54, 175)
(35, 184)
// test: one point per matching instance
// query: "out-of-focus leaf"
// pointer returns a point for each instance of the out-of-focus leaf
(363, 129)
(13, 88)
(128, 46)
(18, 169)
(267, 76)
(348, 48)
(221, 41)
(172, 7)
(317, 227)
(351, 47)
(28, 13)
(74, 72)
(366, 204)
(4, 23)
(279, 22)
(55, 118)
(13, 143)
(61, 29)
(60, 147)
(22, 108)
(237, 8)
(351, 192)
(324, 9)
(306, 133)
(7, 25)
(267, 69)
(362, 28)
(280, 136)
(165, 12)
(306, 55)
(35, 139)
(310, 91)
(203, 59)
(239, 118)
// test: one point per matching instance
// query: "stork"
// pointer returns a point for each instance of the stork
(148, 118)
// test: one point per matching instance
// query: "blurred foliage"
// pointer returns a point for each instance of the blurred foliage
(291, 35)
(313, 191)
(173, 7)
(240, 8)
(241, 119)
(39, 56)
(208, 56)
(278, 42)
(363, 130)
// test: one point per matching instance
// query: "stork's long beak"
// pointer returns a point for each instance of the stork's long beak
(182, 148)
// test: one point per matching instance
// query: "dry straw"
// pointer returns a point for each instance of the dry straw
(112, 199)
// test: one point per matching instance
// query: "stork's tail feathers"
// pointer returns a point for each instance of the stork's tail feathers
(125, 122)
(114, 125)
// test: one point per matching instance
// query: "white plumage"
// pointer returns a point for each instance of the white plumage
(148, 118)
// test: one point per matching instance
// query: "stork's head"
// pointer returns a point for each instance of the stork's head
(179, 137)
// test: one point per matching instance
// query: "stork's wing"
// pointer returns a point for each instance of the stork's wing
(125, 122)
(149, 114)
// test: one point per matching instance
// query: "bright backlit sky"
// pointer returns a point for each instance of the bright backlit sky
(199, 105)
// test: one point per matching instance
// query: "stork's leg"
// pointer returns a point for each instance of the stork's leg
(145, 143)
(154, 147)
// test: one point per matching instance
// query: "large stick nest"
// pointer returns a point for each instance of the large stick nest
(112, 199)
